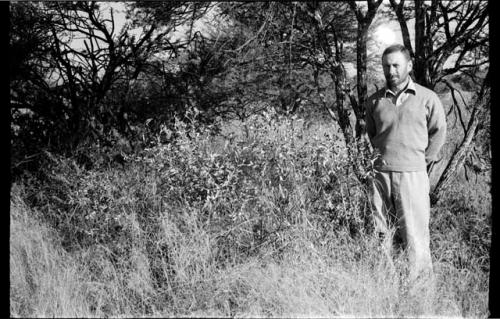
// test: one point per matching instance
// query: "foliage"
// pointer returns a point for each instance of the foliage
(282, 52)
(260, 221)
(267, 164)
(250, 57)
(444, 29)
(59, 88)
(74, 75)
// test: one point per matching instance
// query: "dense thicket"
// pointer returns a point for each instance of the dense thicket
(78, 83)
(80, 86)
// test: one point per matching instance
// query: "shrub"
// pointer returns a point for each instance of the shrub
(203, 225)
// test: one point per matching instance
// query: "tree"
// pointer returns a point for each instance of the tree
(263, 66)
(72, 69)
(444, 29)
(480, 108)
(308, 38)
(200, 81)
(74, 79)
(356, 141)
(364, 21)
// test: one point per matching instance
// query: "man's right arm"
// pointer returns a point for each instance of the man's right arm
(436, 124)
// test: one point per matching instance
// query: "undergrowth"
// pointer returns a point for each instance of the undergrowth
(266, 221)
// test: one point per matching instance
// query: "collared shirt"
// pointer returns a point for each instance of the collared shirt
(398, 99)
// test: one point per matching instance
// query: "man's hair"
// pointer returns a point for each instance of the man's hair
(397, 48)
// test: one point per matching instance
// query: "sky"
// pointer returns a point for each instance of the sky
(384, 35)
(384, 32)
(119, 9)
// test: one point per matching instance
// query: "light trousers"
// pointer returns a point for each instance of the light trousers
(401, 202)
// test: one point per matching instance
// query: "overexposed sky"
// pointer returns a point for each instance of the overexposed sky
(119, 14)
(383, 32)
(119, 10)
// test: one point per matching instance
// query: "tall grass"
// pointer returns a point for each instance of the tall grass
(45, 280)
(263, 221)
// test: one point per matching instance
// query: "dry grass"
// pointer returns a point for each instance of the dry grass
(265, 225)
(45, 281)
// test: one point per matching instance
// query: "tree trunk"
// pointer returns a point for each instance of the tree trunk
(359, 107)
(482, 105)
(458, 157)
(360, 145)
(420, 68)
(398, 9)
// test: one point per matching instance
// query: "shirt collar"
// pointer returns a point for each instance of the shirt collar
(410, 87)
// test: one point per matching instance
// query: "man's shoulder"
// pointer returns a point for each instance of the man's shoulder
(425, 92)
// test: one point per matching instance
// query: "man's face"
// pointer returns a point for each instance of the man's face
(396, 68)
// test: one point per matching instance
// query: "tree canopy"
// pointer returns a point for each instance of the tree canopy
(77, 79)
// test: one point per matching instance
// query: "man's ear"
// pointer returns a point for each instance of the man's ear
(410, 66)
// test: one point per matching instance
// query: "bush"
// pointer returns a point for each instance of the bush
(230, 224)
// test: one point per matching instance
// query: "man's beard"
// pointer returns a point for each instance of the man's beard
(395, 81)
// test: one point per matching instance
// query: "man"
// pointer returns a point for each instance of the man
(406, 125)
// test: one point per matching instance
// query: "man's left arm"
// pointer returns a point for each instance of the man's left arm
(436, 128)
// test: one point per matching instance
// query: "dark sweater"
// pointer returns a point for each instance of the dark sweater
(409, 133)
